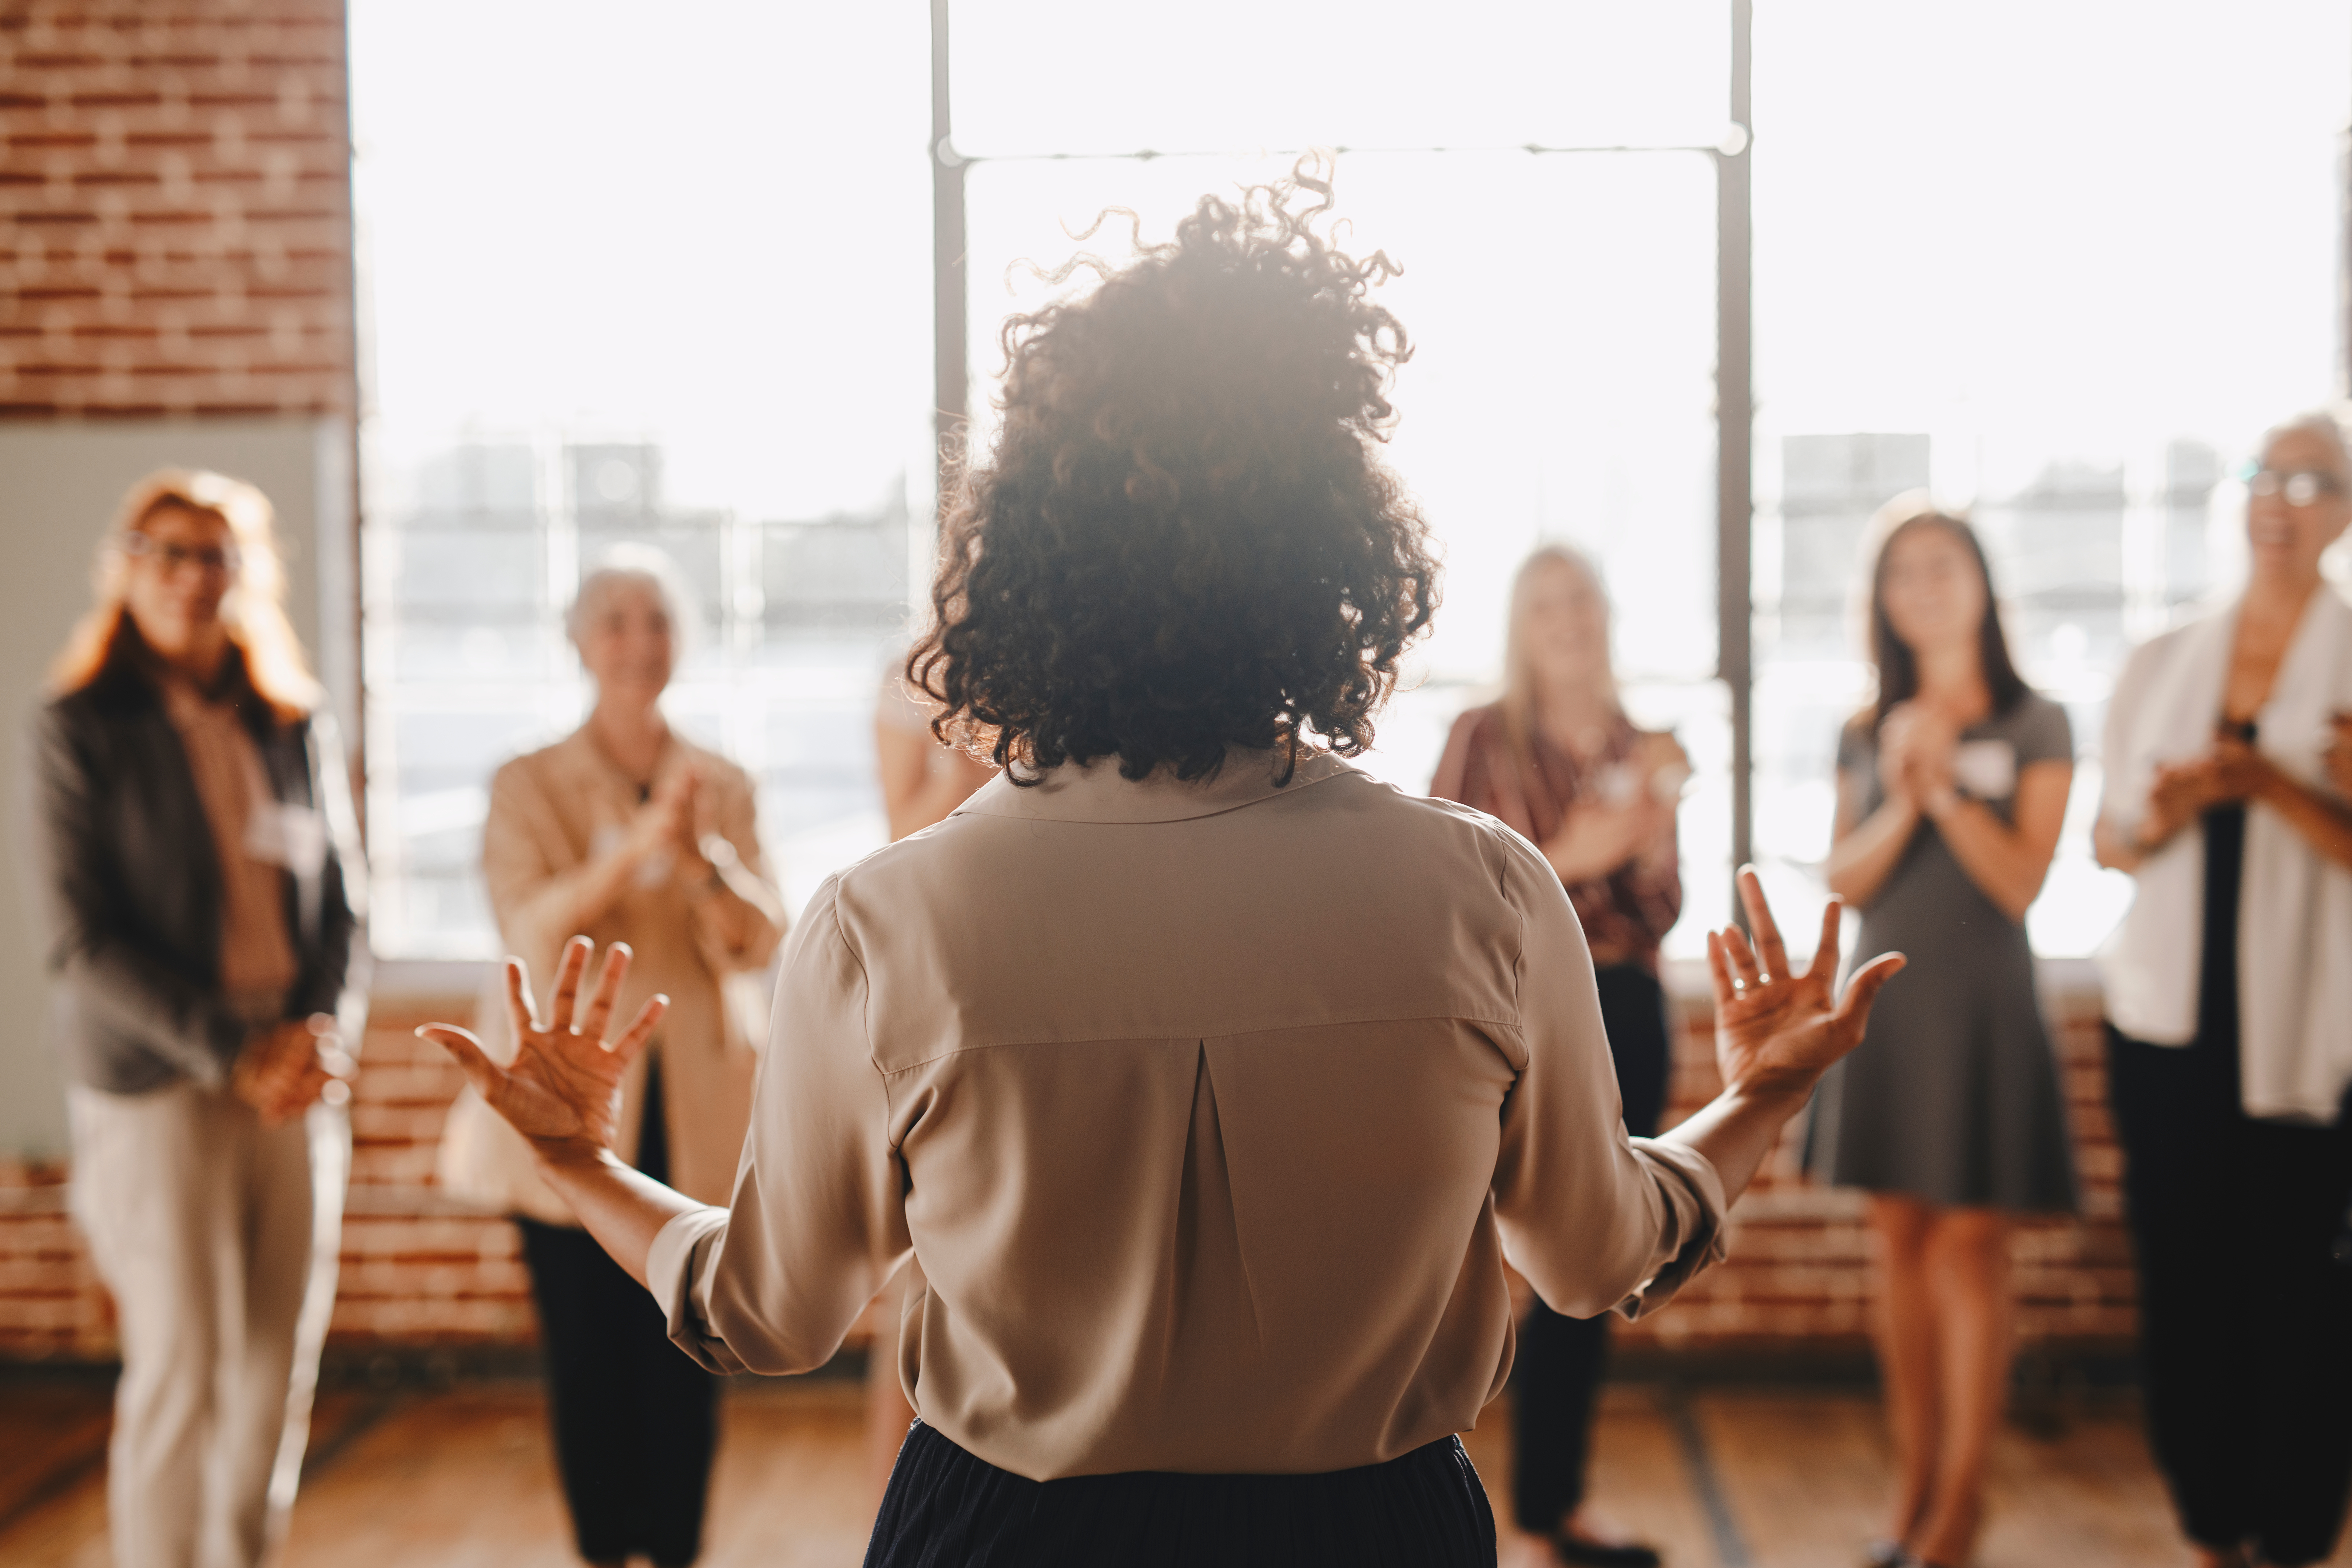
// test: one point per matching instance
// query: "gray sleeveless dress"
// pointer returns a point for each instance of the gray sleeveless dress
(1953, 1094)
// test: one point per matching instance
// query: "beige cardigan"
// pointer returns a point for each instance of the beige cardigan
(551, 813)
(1208, 1113)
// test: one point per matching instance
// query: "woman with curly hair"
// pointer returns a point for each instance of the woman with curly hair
(1201, 1083)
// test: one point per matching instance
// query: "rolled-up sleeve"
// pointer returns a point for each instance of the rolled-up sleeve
(772, 1284)
(1594, 1218)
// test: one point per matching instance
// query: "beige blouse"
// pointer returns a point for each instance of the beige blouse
(1208, 1114)
(553, 811)
(256, 956)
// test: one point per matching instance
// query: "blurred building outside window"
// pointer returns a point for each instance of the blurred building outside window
(2063, 284)
(467, 583)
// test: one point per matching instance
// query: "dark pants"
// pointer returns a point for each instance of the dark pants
(635, 1420)
(947, 1508)
(2245, 1315)
(1557, 1375)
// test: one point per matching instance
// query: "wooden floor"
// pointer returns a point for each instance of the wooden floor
(1732, 1477)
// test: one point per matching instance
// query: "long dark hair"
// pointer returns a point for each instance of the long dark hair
(1898, 666)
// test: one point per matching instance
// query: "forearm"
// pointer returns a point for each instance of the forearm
(622, 1208)
(136, 997)
(2115, 849)
(1994, 855)
(572, 900)
(1860, 862)
(1739, 1128)
(2323, 824)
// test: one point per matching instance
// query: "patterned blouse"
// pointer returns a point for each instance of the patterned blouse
(1626, 913)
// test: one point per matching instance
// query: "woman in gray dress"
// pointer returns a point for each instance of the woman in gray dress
(1951, 790)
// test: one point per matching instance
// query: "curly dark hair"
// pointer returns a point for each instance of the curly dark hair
(1184, 540)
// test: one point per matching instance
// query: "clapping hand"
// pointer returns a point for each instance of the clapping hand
(2183, 791)
(665, 823)
(562, 1090)
(1774, 1030)
(281, 1074)
(1916, 747)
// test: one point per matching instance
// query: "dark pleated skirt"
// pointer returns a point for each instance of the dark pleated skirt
(947, 1509)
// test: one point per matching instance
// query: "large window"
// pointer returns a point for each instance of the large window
(2061, 265)
(668, 277)
(1557, 286)
(660, 277)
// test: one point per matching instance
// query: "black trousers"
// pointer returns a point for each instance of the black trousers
(947, 1508)
(1557, 1375)
(2245, 1314)
(635, 1420)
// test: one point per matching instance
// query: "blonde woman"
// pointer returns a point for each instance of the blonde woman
(1557, 760)
(206, 894)
(628, 831)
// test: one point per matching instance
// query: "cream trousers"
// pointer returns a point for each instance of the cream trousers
(217, 1236)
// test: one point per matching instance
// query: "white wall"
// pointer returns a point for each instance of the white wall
(58, 485)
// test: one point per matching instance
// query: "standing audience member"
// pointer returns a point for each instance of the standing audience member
(2229, 991)
(628, 831)
(206, 895)
(923, 781)
(1558, 761)
(1951, 790)
(1197, 1078)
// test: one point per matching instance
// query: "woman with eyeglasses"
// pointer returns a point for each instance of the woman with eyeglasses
(205, 891)
(2229, 994)
(1952, 788)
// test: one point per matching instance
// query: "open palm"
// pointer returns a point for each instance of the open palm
(562, 1090)
(1773, 1027)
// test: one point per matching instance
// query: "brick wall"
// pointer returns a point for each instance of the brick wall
(419, 1272)
(1797, 1275)
(175, 220)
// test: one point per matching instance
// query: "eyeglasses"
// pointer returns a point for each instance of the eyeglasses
(2297, 487)
(216, 560)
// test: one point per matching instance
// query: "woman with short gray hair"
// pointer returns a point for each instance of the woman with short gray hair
(627, 829)
(2230, 1025)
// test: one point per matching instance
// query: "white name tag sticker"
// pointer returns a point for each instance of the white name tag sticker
(1986, 769)
(294, 836)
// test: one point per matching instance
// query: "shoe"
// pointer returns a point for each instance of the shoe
(1587, 1554)
(1883, 1554)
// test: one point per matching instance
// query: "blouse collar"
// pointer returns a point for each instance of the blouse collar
(1094, 792)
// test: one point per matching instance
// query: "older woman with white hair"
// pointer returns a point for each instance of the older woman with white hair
(2230, 1025)
(626, 830)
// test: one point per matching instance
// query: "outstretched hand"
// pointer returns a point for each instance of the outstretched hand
(562, 1090)
(1778, 1030)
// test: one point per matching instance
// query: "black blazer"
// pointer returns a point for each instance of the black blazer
(133, 883)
